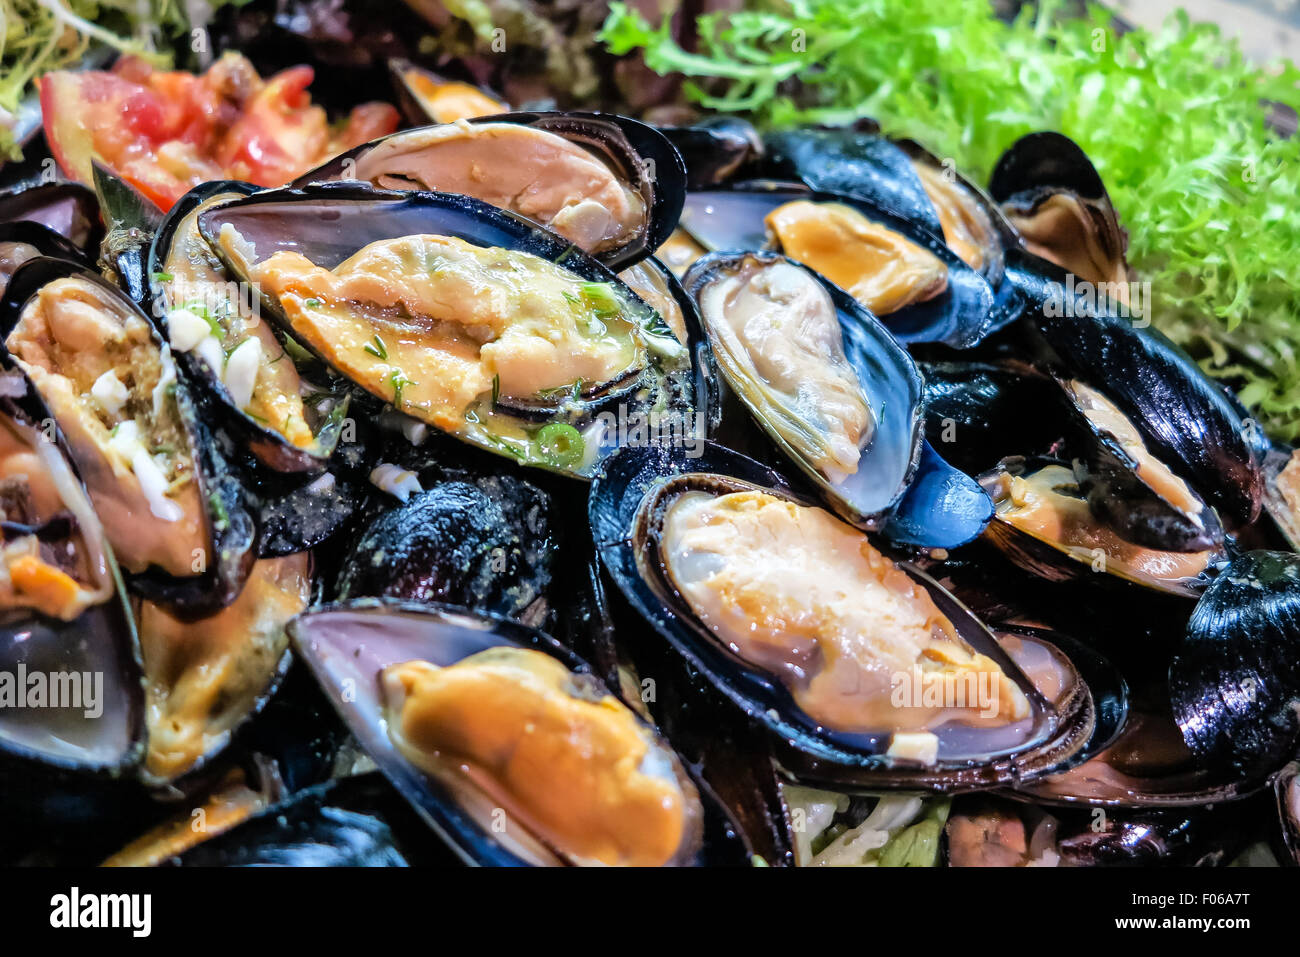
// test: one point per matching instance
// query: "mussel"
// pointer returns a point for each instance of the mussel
(429, 97)
(1043, 521)
(223, 346)
(898, 271)
(173, 515)
(466, 317)
(503, 741)
(608, 184)
(716, 555)
(1235, 680)
(71, 698)
(68, 209)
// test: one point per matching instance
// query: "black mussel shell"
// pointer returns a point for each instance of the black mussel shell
(1235, 680)
(638, 153)
(413, 85)
(230, 527)
(269, 446)
(714, 149)
(66, 208)
(888, 378)
(625, 503)
(732, 220)
(1187, 420)
(334, 220)
(1060, 562)
(485, 546)
(346, 647)
(131, 219)
(941, 508)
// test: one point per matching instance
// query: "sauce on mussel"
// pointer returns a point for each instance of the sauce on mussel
(202, 678)
(795, 591)
(1048, 506)
(574, 766)
(538, 174)
(208, 316)
(51, 561)
(777, 333)
(109, 387)
(882, 269)
(967, 229)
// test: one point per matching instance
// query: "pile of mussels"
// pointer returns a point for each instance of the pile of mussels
(628, 495)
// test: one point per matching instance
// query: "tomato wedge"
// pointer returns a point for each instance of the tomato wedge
(168, 131)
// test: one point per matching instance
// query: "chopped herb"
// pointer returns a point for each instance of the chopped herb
(162, 277)
(296, 352)
(219, 509)
(377, 347)
(601, 298)
(311, 303)
(398, 380)
(496, 389)
(559, 444)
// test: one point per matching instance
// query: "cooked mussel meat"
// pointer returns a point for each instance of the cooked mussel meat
(204, 678)
(428, 97)
(173, 520)
(608, 184)
(825, 381)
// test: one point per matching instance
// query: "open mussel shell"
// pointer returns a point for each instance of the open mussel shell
(215, 570)
(71, 698)
(204, 679)
(347, 647)
(185, 273)
(886, 375)
(905, 178)
(643, 163)
(66, 208)
(1036, 498)
(1053, 196)
(1286, 785)
(1188, 421)
(627, 508)
(1235, 680)
(733, 219)
(428, 97)
(330, 222)
(941, 508)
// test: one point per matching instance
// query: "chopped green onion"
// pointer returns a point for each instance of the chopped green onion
(377, 347)
(560, 444)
